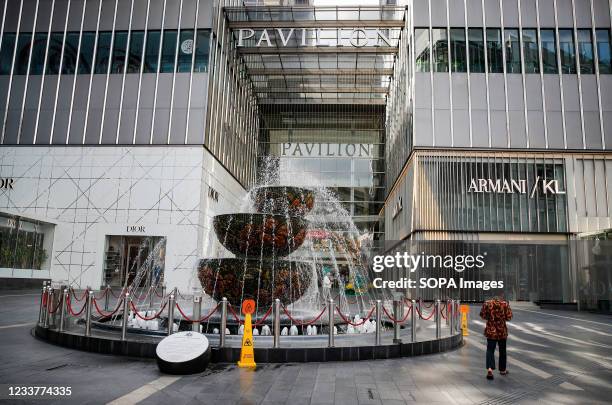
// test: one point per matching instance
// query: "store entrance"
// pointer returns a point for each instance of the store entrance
(134, 259)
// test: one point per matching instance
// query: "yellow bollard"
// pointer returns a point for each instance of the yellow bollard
(464, 319)
(247, 354)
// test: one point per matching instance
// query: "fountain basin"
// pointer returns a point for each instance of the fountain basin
(294, 201)
(260, 235)
(261, 280)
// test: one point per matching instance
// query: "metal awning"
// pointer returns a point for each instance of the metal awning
(342, 55)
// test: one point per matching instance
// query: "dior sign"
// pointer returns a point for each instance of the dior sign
(505, 186)
(352, 37)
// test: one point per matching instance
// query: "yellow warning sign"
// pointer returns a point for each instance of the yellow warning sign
(464, 323)
(247, 356)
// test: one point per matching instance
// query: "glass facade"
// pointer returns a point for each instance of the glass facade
(64, 52)
(476, 194)
(334, 146)
(22, 243)
(514, 39)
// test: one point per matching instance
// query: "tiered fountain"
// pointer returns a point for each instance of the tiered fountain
(261, 241)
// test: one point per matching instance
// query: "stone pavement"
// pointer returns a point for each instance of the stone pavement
(555, 357)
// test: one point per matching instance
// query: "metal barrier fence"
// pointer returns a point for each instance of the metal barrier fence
(50, 306)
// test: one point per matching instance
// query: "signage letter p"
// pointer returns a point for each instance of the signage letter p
(242, 37)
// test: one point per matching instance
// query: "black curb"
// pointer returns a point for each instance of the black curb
(146, 349)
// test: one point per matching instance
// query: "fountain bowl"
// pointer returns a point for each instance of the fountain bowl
(263, 280)
(294, 201)
(260, 235)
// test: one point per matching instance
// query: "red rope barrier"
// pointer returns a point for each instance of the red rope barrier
(69, 305)
(114, 295)
(202, 319)
(426, 307)
(103, 294)
(257, 323)
(300, 323)
(235, 315)
(144, 318)
(44, 299)
(82, 297)
(421, 315)
(396, 320)
(59, 301)
(356, 324)
(102, 313)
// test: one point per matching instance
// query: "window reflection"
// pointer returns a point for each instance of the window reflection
(494, 50)
(549, 51)
(440, 49)
(603, 51)
(421, 43)
(476, 44)
(458, 56)
(530, 50)
(585, 51)
(513, 50)
(568, 51)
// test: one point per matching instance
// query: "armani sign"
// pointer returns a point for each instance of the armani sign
(505, 186)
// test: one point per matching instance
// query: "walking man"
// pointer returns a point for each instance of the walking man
(496, 312)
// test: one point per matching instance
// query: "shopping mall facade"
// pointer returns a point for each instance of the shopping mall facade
(127, 122)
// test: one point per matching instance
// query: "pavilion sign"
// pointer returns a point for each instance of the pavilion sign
(317, 150)
(302, 37)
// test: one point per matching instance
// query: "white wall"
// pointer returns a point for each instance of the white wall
(91, 192)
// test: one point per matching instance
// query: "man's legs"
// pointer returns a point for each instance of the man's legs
(491, 354)
(502, 354)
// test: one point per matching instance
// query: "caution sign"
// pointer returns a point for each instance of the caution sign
(247, 355)
(464, 319)
(248, 307)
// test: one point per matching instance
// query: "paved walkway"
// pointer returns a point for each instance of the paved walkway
(555, 357)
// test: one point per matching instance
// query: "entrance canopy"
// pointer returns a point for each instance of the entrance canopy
(332, 55)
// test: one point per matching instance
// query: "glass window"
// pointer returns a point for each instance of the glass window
(458, 56)
(6, 53)
(54, 55)
(119, 47)
(476, 44)
(71, 50)
(103, 52)
(568, 51)
(549, 51)
(513, 50)
(440, 49)
(530, 50)
(585, 51)
(135, 53)
(494, 50)
(168, 51)
(88, 40)
(38, 53)
(22, 56)
(152, 52)
(185, 51)
(603, 51)
(421, 46)
(201, 56)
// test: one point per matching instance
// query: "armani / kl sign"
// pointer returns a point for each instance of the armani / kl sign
(504, 186)
(355, 37)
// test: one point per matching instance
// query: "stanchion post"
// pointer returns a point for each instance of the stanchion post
(398, 313)
(451, 316)
(447, 320)
(457, 314)
(126, 315)
(437, 318)
(414, 321)
(106, 294)
(277, 323)
(223, 322)
(197, 306)
(378, 322)
(62, 322)
(330, 315)
(90, 298)
(48, 306)
(171, 305)
(41, 310)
